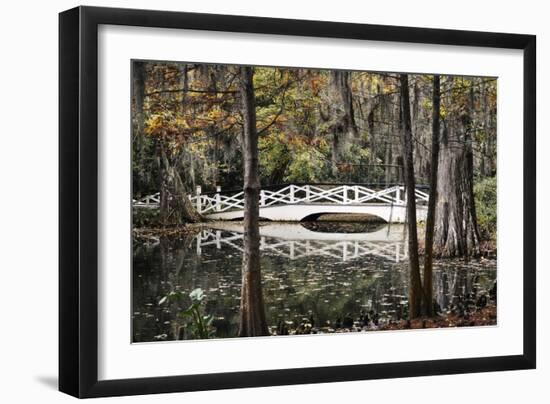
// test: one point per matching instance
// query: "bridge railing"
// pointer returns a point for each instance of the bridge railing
(149, 201)
(294, 194)
(306, 194)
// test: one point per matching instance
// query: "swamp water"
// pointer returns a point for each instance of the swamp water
(323, 275)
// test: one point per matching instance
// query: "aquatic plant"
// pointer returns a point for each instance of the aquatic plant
(198, 325)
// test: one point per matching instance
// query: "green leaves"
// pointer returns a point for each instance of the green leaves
(188, 312)
(307, 163)
(485, 192)
(199, 325)
(171, 297)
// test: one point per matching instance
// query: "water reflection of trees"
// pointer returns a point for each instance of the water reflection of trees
(313, 288)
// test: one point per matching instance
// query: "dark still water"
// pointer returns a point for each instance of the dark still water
(313, 276)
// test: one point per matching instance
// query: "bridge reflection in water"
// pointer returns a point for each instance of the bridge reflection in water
(295, 242)
(322, 275)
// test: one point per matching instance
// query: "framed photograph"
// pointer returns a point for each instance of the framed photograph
(251, 201)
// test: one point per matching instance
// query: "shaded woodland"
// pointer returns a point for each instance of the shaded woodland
(248, 128)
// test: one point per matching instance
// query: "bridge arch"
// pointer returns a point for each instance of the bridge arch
(241, 217)
(358, 217)
(297, 212)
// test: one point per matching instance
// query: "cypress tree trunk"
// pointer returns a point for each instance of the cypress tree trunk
(415, 284)
(139, 96)
(175, 206)
(390, 175)
(139, 155)
(456, 232)
(373, 145)
(252, 312)
(472, 230)
(430, 220)
(340, 116)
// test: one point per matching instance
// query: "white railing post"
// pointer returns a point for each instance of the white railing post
(292, 194)
(218, 239)
(308, 193)
(398, 194)
(262, 197)
(199, 198)
(199, 239)
(397, 252)
(345, 251)
(345, 194)
(218, 198)
(356, 192)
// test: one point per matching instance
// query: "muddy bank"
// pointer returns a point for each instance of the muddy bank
(153, 234)
(481, 317)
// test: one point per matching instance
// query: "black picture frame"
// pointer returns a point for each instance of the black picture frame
(78, 201)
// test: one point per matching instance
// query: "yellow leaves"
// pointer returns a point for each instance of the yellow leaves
(176, 128)
(364, 153)
(155, 123)
(442, 111)
(231, 120)
(214, 114)
(315, 84)
(164, 122)
(172, 129)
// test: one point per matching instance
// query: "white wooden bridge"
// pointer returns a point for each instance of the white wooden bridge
(298, 202)
(293, 244)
